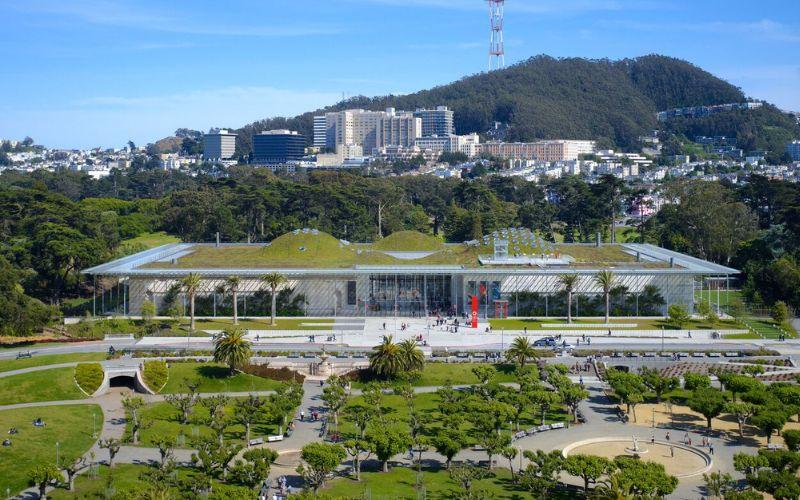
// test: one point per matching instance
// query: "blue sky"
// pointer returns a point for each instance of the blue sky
(85, 73)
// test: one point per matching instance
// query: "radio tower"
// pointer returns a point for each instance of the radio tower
(497, 58)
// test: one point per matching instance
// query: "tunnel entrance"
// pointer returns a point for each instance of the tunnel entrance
(125, 381)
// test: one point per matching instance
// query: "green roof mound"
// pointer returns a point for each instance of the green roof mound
(408, 241)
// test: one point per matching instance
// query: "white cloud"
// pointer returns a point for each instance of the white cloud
(138, 16)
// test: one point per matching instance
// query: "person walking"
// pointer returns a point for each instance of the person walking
(302, 415)
(672, 452)
(710, 447)
(667, 437)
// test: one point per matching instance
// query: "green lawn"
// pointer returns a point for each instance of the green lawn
(535, 324)
(725, 296)
(766, 328)
(151, 240)
(125, 478)
(70, 426)
(426, 404)
(214, 377)
(165, 422)
(49, 359)
(46, 385)
(400, 482)
(438, 374)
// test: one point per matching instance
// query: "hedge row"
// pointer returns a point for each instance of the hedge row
(155, 374)
(89, 376)
(281, 374)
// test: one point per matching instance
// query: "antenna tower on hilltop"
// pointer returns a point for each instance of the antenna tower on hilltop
(497, 52)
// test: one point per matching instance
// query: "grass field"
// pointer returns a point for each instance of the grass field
(766, 328)
(151, 240)
(725, 296)
(400, 482)
(535, 324)
(214, 377)
(165, 422)
(438, 374)
(70, 426)
(125, 478)
(323, 250)
(49, 359)
(46, 385)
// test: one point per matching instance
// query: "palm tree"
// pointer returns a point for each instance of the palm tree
(520, 351)
(411, 356)
(273, 281)
(232, 285)
(190, 284)
(232, 348)
(569, 282)
(386, 359)
(605, 279)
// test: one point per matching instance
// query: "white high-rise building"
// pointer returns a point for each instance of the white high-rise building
(219, 144)
(320, 131)
(368, 129)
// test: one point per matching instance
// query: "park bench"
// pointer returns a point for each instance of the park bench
(698, 355)
(557, 425)
(21, 355)
(774, 446)
(272, 439)
(731, 354)
(256, 441)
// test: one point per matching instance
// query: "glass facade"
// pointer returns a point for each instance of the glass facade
(409, 295)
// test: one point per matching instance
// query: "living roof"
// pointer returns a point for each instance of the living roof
(318, 250)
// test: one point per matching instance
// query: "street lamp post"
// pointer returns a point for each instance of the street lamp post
(57, 453)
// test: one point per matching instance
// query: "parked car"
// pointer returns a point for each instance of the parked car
(544, 342)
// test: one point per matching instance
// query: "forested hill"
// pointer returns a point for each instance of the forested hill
(545, 98)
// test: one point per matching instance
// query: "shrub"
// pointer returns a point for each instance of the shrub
(89, 376)
(779, 312)
(281, 374)
(155, 374)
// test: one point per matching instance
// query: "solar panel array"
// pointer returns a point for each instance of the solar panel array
(521, 241)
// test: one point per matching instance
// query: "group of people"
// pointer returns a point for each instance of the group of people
(687, 440)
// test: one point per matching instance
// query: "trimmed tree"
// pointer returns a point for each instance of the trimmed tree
(590, 468)
(319, 460)
(708, 402)
(386, 442)
(448, 443)
(41, 476)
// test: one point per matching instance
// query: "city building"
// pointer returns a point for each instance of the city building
(438, 121)
(551, 150)
(320, 131)
(398, 129)
(503, 270)
(219, 144)
(793, 148)
(469, 144)
(274, 147)
(368, 129)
